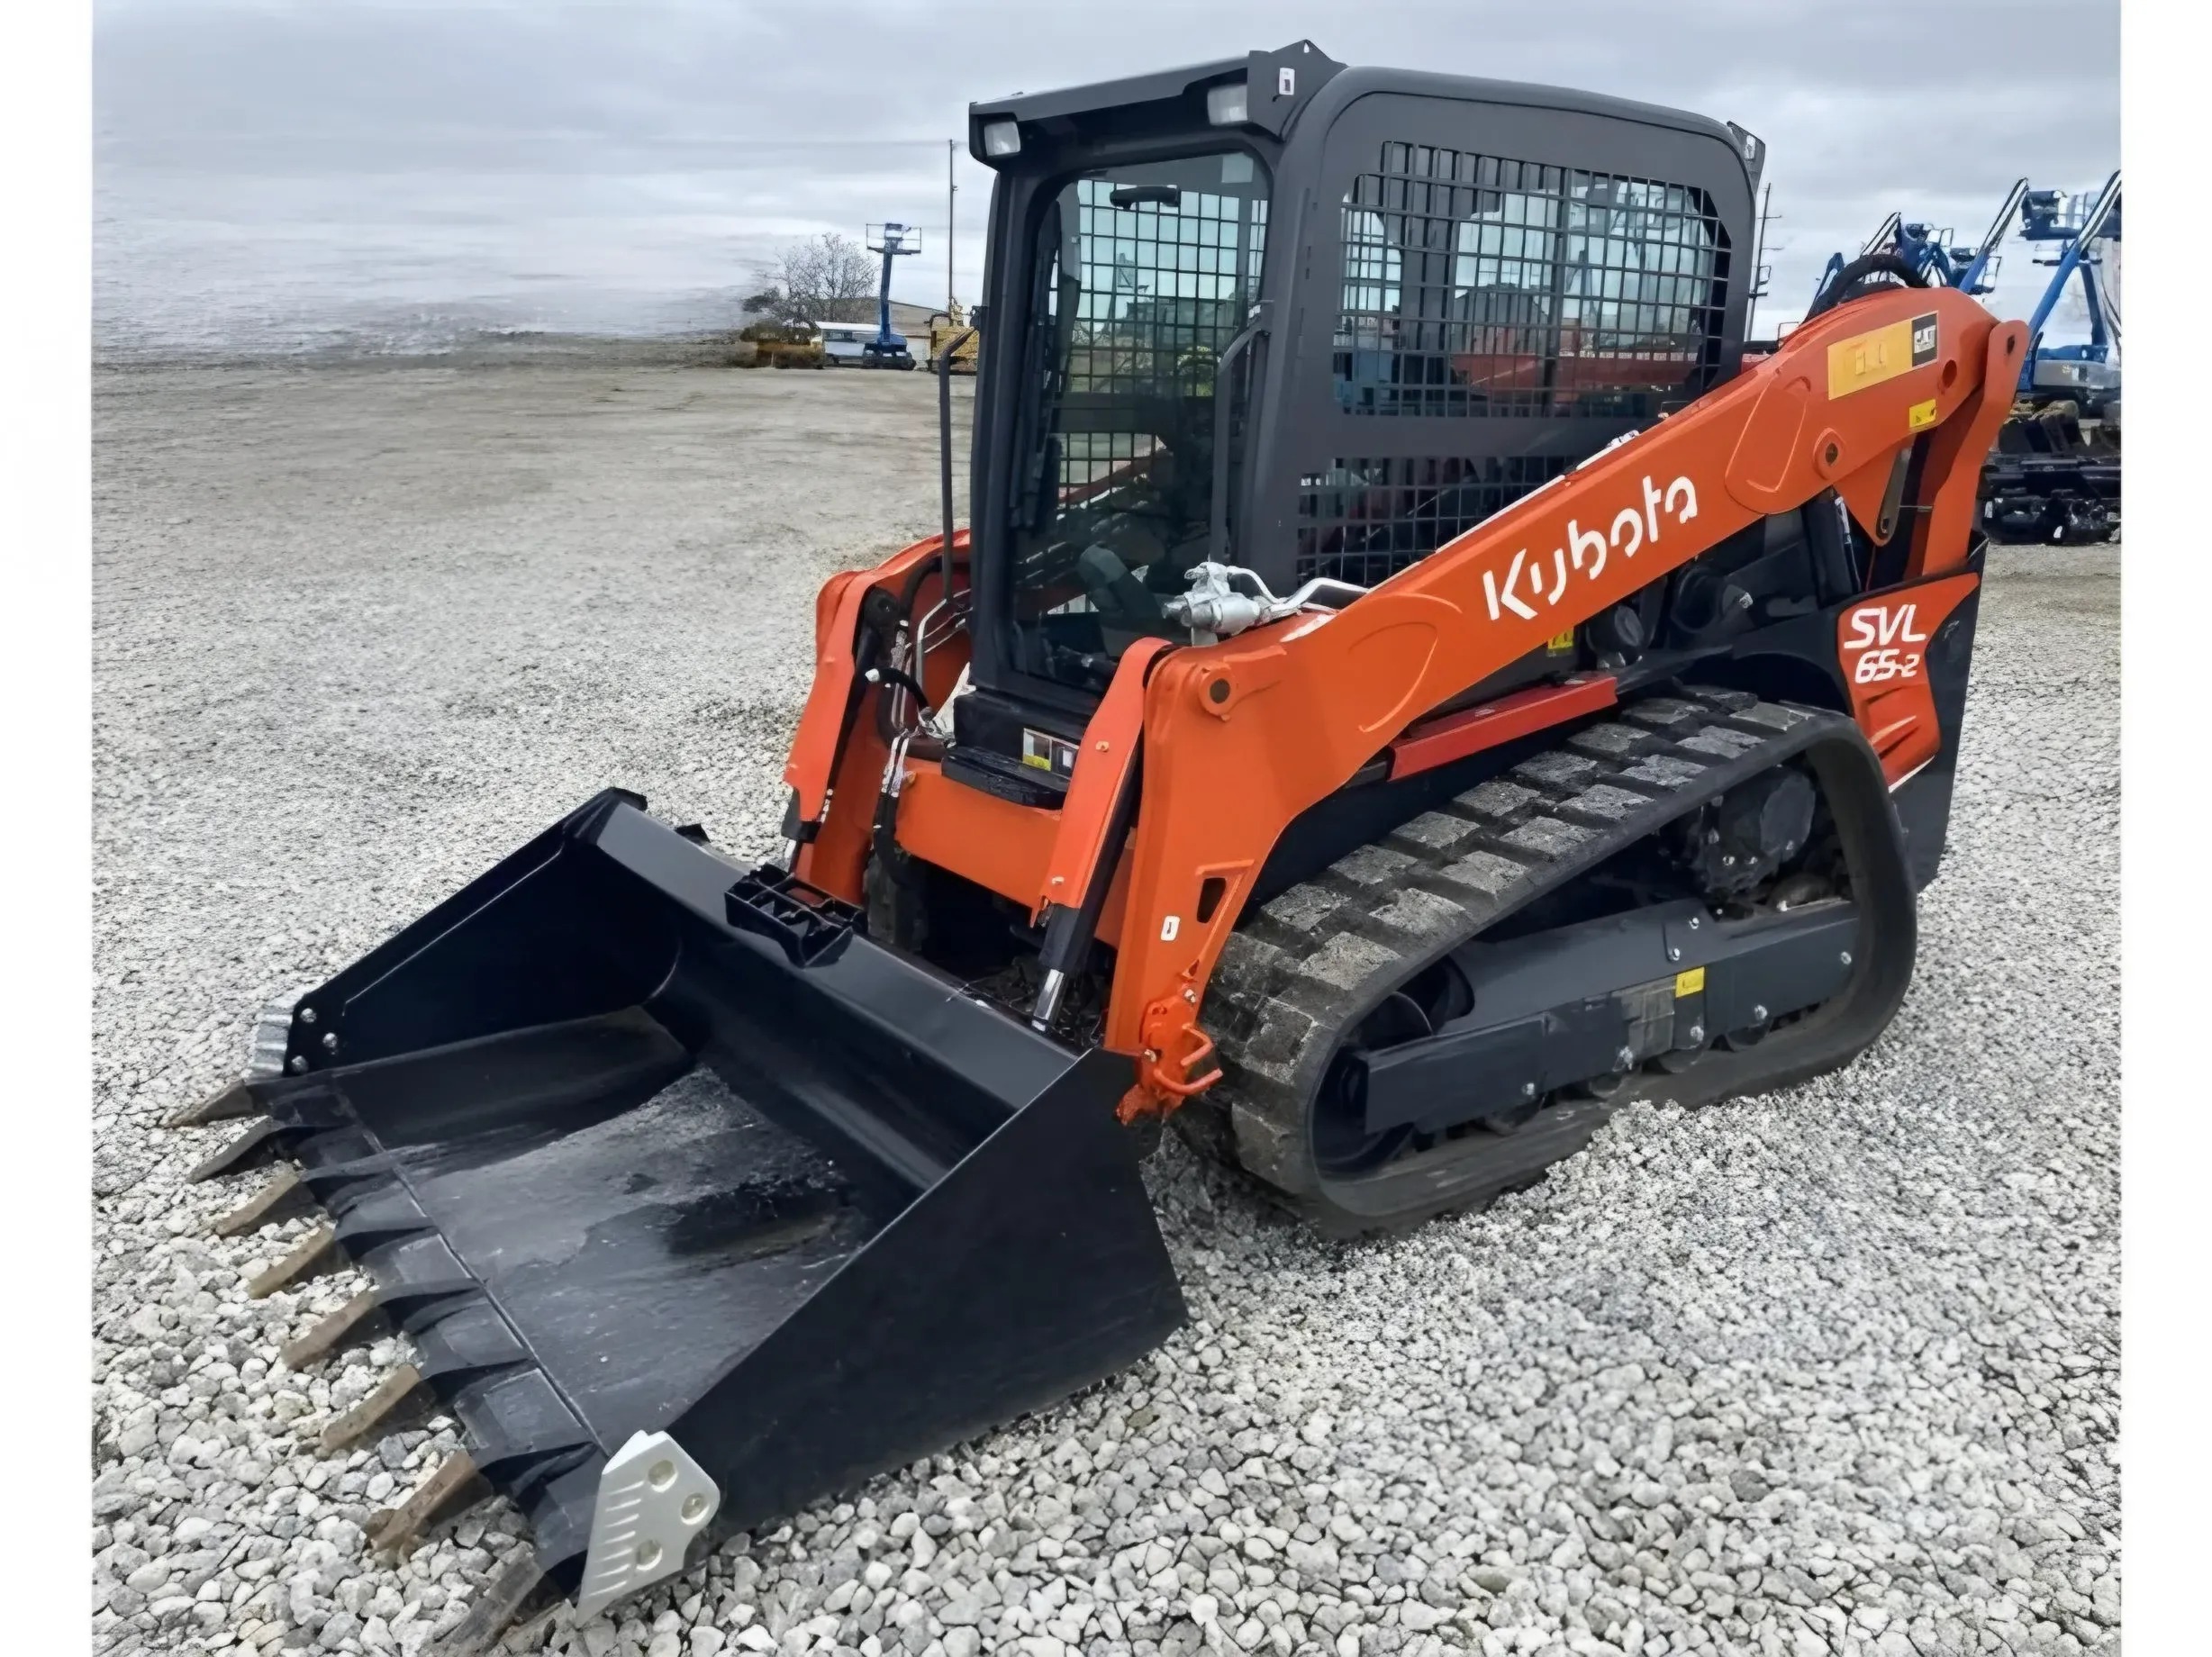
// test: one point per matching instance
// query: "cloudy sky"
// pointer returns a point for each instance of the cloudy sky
(269, 169)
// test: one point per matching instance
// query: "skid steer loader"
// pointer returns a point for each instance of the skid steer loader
(1407, 688)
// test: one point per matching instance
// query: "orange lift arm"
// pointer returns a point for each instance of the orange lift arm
(1241, 737)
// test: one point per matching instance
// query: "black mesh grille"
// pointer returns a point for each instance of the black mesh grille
(1363, 520)
(1163, 293)
(1478, 286)
(1141, 281)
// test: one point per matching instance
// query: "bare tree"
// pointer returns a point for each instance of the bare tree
(831, 278)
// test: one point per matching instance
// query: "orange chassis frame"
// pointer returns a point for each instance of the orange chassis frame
(1241, 737)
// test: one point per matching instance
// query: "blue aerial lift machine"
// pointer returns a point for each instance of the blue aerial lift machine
(889, 349)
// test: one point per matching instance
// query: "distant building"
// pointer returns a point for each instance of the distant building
(905, 318)
(912, 320)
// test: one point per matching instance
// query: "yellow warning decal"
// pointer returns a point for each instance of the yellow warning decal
(1920, 416)
(1689, 982)
(1882, 353)
(1561, 641)
(1039, 760)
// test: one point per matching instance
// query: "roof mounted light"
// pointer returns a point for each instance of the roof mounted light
(1226, 104)
(1002, 139)
(1752, 145)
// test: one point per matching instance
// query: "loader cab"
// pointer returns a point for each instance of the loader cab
(1315, 321)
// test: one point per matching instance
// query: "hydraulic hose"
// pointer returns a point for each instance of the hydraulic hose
(943, 451)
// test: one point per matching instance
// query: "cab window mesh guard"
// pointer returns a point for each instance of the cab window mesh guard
(1363, 521)
(1478, 286)
(1138, 299)
(1162, 294)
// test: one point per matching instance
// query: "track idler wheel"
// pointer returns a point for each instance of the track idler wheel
(1605, 1086)
(1341, 1143)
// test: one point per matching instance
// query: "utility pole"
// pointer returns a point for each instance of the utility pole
(951, 190)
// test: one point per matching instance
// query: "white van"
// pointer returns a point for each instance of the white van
(852, 345)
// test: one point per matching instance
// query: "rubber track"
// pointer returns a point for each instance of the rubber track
(1303, 968)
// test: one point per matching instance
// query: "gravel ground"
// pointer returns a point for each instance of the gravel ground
(1834, 1370)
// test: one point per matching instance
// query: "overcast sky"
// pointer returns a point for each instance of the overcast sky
(275, 157)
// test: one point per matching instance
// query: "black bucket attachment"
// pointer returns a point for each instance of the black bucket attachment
(698, 1204)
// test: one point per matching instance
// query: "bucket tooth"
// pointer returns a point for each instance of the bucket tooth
(455, 1486)
(257, 1147)
(283, 1198)
(519, 1583)
(360, 1316)
(316, 1253)
(226, 1105)
(400, 1398)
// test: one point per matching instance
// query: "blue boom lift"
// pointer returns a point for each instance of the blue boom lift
(889, 350)
(2078, 234)
(2050, 478)
(1933, 255)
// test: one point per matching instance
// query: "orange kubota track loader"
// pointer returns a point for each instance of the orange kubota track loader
(1596, 747)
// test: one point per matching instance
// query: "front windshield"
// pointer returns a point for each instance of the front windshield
(1141, 275)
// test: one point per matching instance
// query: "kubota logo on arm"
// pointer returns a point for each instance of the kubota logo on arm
(1633, 529)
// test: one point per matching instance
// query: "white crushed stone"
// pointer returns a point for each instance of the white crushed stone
(1832, 1371)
